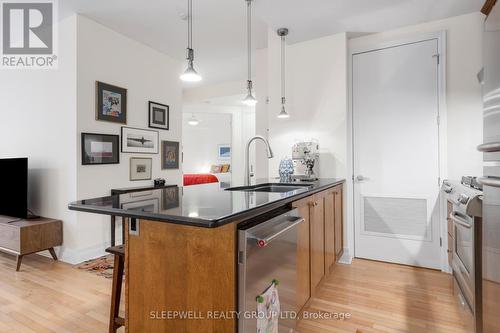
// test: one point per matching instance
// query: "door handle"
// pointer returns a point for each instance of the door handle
(360, 178)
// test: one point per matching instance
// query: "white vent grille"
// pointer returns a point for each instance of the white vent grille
(396, 217)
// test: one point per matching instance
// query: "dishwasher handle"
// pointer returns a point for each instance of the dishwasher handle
(295, 221)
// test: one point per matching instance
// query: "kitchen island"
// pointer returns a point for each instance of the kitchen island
(181, 249)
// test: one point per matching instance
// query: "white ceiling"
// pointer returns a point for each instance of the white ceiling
(219, 25)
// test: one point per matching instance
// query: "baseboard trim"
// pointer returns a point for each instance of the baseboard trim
(346, 258)
(76, 256)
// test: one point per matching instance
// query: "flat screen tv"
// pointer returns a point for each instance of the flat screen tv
(14, 192)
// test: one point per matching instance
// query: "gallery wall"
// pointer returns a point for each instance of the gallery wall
(148, 75)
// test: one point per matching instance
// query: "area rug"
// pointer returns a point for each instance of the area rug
(102, 266)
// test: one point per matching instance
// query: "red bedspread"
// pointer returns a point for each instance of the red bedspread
(199, 178)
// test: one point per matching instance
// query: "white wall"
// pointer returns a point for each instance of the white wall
(209, 92)
(107, 56)
(200, 142)
(316, 81)
(261, 115)
(38, 121)
(316, 101)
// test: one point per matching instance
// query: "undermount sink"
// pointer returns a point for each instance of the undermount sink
(270, 187)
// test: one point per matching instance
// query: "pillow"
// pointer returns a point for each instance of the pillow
(215, 168)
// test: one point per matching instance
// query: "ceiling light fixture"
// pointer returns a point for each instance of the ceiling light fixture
(190, 74)
(249, 100)
(193, 121)
(283, 32)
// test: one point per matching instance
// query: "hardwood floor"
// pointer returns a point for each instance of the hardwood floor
(385, 298)
(47, 296)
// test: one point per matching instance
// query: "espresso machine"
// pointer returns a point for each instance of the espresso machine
(305, 157)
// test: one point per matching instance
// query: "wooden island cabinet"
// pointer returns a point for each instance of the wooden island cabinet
(324, 212)
(181, 272)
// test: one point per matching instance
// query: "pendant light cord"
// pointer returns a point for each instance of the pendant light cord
(283, 81)
(249, 36)
(190, 24)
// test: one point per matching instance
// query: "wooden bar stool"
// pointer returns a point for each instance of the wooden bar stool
(115, 321)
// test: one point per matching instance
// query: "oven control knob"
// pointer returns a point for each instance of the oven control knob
(463, 199)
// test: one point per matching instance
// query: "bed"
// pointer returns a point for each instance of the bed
(199, 178)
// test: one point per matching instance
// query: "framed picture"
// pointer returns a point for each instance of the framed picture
(169, 155)
(158, 115)
(170, 198)
(136, 140)
(100, 149)
(224, 152)
(140, 168)
(111, 103)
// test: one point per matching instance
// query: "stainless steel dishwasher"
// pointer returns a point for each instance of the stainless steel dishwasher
(267, 252)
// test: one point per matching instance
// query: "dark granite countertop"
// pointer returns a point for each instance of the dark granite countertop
(207, 205)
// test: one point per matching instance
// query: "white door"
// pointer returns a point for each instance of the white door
(395, 96)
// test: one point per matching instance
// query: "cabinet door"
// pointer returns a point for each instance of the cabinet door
(303, 259)
(330, 249)
(339, 223)
(317, 212)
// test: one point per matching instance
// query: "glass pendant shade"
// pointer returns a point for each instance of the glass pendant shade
(283, 114)
(249, 100)
(193, 121)
(190, 74)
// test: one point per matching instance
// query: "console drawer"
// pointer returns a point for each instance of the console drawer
(10, 237)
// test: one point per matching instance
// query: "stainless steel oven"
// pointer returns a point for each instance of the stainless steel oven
(464, 253)
(466, 262)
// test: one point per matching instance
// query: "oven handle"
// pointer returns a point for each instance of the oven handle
(487, 181)
(491, 147)
(458, 220)
(262, 242)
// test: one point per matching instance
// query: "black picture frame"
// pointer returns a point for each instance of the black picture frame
(170, 155)
(139, 134)
(87, 154)
(115, 95)
(158, 115)
(148, 165)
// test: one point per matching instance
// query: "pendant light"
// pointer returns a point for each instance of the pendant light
(249, 99)
(190, 74)
(193, 121)
(283, 32)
